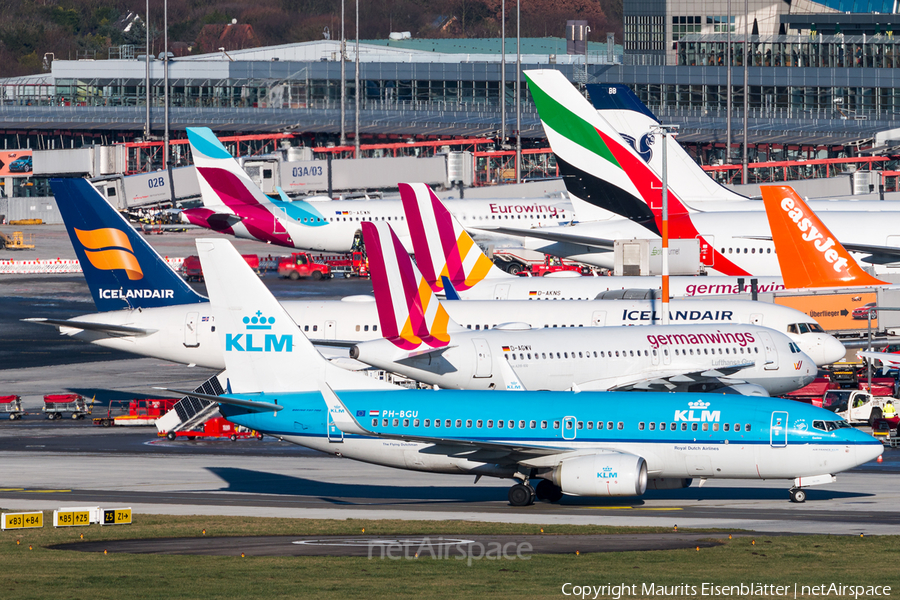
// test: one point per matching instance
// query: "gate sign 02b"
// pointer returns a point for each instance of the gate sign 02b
(25, 520)
(116, 516)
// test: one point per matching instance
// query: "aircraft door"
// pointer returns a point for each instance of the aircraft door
(330, 330)
(778, 429)
(569, 428)
(191, 339)
(769, 350)
(333, 432)
(277, 225)
(598, 319)
(501, 291)
(707, 250)
(483, 362)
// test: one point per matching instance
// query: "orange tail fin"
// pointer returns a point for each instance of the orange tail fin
(808, 254)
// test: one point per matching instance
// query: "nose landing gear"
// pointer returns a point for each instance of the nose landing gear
(798, 495)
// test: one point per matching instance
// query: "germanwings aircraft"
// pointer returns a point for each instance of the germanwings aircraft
(444, 250)
(600, 168)
(233, 204)
(637, 125)
(584, 444)
(422, 342)
(147, 309)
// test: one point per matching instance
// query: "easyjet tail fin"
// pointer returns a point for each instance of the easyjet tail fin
(121, 269)
(443, 248)
(408, 311)
(808, 254)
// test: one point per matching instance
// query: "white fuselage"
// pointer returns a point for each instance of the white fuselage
(602, 359)
(186, 333)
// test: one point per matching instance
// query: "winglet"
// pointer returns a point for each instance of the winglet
(442, 246)
(408, 311)
(808, 254)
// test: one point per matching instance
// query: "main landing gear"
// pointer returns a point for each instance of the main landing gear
(798, 495)
(522, 494)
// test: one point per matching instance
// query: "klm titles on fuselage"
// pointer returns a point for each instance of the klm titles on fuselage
(679, 315)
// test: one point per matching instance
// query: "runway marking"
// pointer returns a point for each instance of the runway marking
(33, 491)
(632, 508)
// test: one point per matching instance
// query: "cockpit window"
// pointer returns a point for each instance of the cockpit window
(804, 328)
(792, 328)
(830, 425)
(794, 347)
(815, 328)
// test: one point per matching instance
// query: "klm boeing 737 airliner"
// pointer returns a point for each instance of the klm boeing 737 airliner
(586, 444)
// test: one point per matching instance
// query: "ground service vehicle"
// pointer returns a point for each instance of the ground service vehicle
(301, 264)
(856, 406)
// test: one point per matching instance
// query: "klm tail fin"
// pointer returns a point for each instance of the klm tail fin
(442, 246)
(634, 121)
(264, 349)
(808, 254)
(600, 168)
(409, 312)
(120, 267)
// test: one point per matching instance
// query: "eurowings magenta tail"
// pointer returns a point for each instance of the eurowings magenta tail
(121, 269)
(808, 254)
(442, 246)
(600, 168)
(408, 311)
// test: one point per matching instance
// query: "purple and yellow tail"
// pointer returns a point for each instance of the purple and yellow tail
(442, 246)
(408, 311)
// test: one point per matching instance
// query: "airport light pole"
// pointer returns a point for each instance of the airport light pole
(518, 92)
(344, 79)
(664, 131)
(746, 86)
(166, 80)
(356, 89)
(147, 61)
(728, 89)
(502, 73)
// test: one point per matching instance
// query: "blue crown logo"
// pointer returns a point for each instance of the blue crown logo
(258, 321)
(607, 468)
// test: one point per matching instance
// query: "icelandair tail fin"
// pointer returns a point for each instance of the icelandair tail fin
(263, 347)
(223, 183)
(120, 267)
(443, 248)
(409, 312)
(634, 121)
(600, 168)
(808, 254)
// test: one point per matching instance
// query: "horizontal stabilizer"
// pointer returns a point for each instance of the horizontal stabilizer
(114, 330)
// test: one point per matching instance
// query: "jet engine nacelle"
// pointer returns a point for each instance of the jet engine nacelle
(606, 474)
(669, 483)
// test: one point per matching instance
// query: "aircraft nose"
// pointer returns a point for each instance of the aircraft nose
(822, 348)
(868, 452)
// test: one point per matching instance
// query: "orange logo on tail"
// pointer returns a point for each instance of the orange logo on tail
(109, 249)
(808, 253)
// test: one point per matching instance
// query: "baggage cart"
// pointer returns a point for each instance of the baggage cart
(57, 405)
(12, 405)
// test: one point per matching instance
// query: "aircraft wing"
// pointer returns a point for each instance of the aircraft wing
(888, 360)
(554, 235)
(675, 382)
(256, 405)
(479, 450)
(113, 330)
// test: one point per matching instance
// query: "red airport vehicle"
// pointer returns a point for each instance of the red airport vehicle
(12, 405)
(134, 412)
(56, 405)
(551, 264)
(302, 264)
(192, 271)
(348, 265)
(217, 427)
